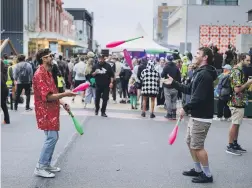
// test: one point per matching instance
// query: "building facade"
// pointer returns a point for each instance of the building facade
(162, 10)
(83, 21)
(203, 21)
(12, 24)
(49, 25)
(35, 24)
(161, 23)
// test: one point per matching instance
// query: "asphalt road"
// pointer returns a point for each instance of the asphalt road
(119, 152)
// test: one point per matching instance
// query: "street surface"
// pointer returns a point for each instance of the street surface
(122, 151)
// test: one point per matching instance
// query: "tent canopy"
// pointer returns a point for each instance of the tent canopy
(142, 44)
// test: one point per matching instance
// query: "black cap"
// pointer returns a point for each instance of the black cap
(101, 56)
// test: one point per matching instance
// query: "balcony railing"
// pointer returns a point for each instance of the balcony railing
(219, 2)
(175, 16)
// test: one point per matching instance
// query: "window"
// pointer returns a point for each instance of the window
(220, 2)
(250, 16)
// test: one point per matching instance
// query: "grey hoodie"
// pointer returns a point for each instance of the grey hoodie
(23, 68)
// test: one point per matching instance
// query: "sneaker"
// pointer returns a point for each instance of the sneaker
(43, 173)
(4, 122)
(228, 119)
(174, 114)
(239, 148)
(233, 151)
(103, 114)
(122, 102)
(28, 109)
(143, 114)
(168, 116)
(152, 115)
(191, 173)
(217, 119)
(52, 169)
(114, 102)
(202, 178)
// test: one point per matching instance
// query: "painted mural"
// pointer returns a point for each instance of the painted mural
(221, 36)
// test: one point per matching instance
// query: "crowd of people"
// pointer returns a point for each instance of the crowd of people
(194, 80)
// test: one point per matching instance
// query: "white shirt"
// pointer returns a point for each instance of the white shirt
(204, 120)
(135, 70)
(79, 70)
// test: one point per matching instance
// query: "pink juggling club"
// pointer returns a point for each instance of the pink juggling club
(127, 58)
(81, 87)
(174, 132)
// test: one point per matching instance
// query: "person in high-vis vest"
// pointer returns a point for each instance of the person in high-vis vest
(10, 80)
(184, 68)
(4, 94)
(61, 83)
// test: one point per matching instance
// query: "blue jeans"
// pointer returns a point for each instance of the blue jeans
(48, 148)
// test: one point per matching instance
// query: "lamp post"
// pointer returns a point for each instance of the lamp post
(186, 25)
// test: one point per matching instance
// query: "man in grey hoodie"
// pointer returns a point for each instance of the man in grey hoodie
(23, 77)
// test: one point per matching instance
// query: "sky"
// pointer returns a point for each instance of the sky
(116, 19)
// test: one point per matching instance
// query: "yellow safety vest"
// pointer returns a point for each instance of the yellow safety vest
(9, 81)
(60, 81)
(184, 70)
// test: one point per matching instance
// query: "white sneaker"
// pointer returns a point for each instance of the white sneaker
(43, 173)
(217, 119)
(228, 119)
(52, 169)
(114, 102)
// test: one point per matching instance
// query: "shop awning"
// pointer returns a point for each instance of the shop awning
(58, 37)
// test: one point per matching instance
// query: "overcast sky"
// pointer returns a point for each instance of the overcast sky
(116, 19)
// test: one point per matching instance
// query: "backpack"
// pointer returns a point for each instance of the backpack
(125, 74)
(23, 74)
(224, 88)
(133, 89)
(92, 82)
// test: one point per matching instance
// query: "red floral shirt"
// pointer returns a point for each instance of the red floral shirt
(47, 112)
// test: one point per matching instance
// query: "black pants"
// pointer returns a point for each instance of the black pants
(61, 89)
(223, 107)
(4, 94)
(125, 84)
(160, 97)
(114, 90)
(101, 92)
(27, 88)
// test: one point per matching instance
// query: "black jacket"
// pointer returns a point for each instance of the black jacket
(217, 62)
(104, 77)
(4, 75)
(141, 67)
(173, 71)
(201, 90)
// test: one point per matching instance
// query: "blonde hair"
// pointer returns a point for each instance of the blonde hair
(132, 80)
(15, 60)
(89, 66)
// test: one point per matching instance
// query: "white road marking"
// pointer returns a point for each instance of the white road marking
(68, 144)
